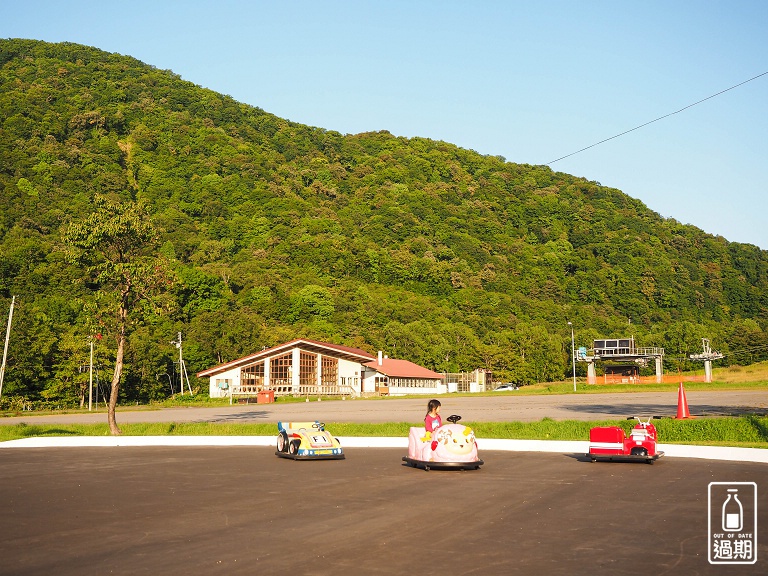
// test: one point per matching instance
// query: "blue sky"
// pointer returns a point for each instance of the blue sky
(530, 81)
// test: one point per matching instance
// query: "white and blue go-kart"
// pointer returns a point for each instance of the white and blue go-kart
(307, 441)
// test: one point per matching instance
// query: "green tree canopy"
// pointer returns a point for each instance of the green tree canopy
(275, 230)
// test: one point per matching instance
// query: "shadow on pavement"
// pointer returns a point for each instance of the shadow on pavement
(242, 416)
(627, 410)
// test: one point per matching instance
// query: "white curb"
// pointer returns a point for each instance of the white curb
(111, 441)
(571, 447)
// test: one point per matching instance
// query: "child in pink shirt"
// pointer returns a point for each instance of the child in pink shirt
(432, 420)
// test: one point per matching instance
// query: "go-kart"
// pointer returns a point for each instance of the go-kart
(611, 443)
(451, 446)
(307, 441)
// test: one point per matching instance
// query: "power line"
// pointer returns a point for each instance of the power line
(659, 118)
(738, 352)
(745, 351)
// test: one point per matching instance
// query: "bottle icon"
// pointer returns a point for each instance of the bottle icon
(733, 512)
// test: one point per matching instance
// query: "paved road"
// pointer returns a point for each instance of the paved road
(232, 511)
(504, 407)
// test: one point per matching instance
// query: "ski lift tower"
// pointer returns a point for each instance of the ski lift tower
(707, 356)
(620, 350)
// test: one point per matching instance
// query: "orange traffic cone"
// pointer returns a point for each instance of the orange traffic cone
(682, 404)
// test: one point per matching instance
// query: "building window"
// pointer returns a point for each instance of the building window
(252, 377)
(307, 372)
(413, 383)
(330, 372)
(280, 369)
(222, 383)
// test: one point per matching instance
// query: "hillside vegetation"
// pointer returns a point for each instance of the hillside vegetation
(275, 230)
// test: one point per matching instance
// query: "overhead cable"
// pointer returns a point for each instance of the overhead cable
(659, 118)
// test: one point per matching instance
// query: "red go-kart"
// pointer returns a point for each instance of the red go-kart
(611, 443)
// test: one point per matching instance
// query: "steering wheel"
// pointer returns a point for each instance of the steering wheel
(453, 418)
(319, 425)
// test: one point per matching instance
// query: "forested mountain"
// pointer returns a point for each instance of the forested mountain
(275, 230)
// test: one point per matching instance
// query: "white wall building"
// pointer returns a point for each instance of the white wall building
(297, 368)
(387, 376)
(308, 368)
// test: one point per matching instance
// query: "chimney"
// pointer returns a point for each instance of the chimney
(380, 355)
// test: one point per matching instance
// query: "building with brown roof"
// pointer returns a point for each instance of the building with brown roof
(399, 377)
(305, 367)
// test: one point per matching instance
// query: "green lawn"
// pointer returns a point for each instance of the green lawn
(749, 431)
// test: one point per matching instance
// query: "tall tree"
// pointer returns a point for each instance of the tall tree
(118, 244)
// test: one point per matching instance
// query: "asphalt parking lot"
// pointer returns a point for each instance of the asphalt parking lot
(503, 407)
(242, 510)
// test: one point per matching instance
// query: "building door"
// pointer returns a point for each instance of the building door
(382, 386)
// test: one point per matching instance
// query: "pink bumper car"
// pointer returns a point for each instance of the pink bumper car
(452, 446)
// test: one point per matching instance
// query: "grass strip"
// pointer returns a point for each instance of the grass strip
(751, 431)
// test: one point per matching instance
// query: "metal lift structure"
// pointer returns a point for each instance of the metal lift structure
(706, 356)
(619, 350)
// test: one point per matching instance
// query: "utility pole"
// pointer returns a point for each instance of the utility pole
(90, 379)
(573, 356)
(5, 347)
(182, 367)
(90, 376)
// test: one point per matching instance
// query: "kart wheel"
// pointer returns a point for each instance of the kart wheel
(293, 447)
(282, 442)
